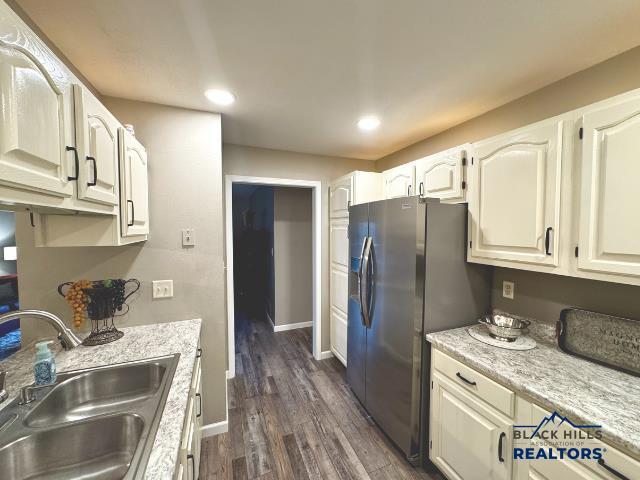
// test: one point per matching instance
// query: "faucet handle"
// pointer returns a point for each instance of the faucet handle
(3, 391)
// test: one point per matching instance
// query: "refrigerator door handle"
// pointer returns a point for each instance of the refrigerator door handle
(364, 284)
(360, 279)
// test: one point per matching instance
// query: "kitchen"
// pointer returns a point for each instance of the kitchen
(125, 175)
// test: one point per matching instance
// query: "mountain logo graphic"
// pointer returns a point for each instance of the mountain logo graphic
(555, 420)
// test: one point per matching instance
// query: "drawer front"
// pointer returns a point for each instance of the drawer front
(499, 397)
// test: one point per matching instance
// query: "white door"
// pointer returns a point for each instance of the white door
(609, 238)
(340, 197)
(514, 201)
(134, 186)
(33, 154)
(442, 175)
(399, 181)
(468, 442)
(97, 141)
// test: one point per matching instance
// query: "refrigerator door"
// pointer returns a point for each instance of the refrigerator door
(394, 339)
(356, 330)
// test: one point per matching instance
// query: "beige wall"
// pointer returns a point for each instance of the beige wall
(539, 295)
(260, 162)
(292, 243)
(616, 75)
(185, 190)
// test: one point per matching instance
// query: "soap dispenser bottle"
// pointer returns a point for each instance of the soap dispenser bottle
(44, 368)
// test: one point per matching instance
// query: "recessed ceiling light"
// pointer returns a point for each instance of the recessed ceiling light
(368, 123)
(220, 97)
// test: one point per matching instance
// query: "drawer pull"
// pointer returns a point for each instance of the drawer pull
(199, 414)
(500, 455)
(198, 353)
(612, 471)
(468, 382)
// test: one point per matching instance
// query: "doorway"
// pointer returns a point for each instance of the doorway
(249, 223)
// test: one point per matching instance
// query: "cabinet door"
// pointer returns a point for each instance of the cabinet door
(33, 153)
(466, 437)
(134, 197)
(399, 181)
(609, 237)
(339, 243)
(340, 197)
(97, 143)
(442, 175)
(339, 335)
(515, 197)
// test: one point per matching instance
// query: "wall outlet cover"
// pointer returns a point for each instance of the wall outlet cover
(508, 289)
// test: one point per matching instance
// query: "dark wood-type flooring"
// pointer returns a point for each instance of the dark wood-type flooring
(292, 417)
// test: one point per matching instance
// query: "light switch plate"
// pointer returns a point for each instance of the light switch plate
(508, 289)
(188, 237)
(162, 288)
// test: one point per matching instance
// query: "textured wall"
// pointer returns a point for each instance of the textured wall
(185, 190)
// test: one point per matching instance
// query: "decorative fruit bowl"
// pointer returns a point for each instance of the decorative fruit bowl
(101, 301)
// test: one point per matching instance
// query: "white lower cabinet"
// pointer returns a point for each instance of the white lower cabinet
(188, 467)
(339, 335)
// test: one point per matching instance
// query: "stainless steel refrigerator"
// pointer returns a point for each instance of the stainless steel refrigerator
(408, 277)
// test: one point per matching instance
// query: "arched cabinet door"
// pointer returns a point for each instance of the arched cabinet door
(399, 181)
(33, 154)
(134, 186)
(97, 140)
(610, 200)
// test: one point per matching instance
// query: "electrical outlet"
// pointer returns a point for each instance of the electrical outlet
(162, 288)
(508, 289)
(188, 237)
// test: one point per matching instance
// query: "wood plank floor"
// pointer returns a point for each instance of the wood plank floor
(292, 417)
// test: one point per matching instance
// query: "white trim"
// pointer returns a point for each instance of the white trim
(316, 259)
(214, 428)
(273, 325)
(292, 326)
(229, 377)
(326, 354)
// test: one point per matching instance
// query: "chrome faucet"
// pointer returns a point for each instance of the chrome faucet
(67, 338)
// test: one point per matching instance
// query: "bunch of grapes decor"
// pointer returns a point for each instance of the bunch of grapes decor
(100, 301)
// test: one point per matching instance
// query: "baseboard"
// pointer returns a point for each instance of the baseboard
(291, 326)
(230, 375)
(325, 355)
(214, 428)
(271, 320)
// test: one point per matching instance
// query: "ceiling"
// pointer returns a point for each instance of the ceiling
(304, 71)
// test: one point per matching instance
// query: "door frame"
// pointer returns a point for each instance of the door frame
(316, 265)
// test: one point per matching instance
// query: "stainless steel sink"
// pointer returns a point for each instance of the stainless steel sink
(97, 391)
(96, 449)
(92, 424)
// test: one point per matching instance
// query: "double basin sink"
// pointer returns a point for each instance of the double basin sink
(95, 423)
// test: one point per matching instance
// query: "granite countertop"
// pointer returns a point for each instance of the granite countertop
(138, 343)
(584, 391)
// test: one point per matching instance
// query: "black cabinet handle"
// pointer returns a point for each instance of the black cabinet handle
(469, 382)
(547, 240)
(500, 455)
(133, 213)
(612, 471)
(95, 172)
(199, 397)
(409, 191)
(421, 189)
(76, 161)
(198, 353)
(193, 465)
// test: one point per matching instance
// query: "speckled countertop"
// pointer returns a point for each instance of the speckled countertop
(583, 391)
(138, 343)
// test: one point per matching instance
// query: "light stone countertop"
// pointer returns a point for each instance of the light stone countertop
(584, 391)
(138, 343)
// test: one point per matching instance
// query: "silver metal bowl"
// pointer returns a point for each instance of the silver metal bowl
(504, 327)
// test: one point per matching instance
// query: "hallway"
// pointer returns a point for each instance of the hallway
(292, 417)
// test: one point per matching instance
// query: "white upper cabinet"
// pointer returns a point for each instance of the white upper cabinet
(442, 175)
(399, 181)
(134, 187)
(340, 197)
(515, 199)
(33, 153)
(97, 143)
(609, 234)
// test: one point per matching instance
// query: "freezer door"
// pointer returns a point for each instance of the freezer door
(356, 331)
(394, 339)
